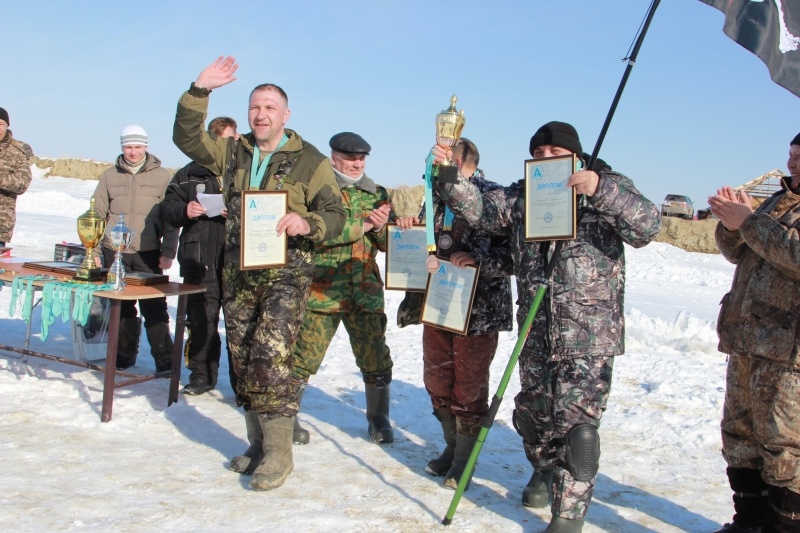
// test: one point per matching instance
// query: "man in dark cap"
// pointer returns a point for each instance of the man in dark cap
(347, 288)
(566, 362)
(15, 176)
(757, 327)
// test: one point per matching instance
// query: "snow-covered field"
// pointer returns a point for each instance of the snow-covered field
(156, 468)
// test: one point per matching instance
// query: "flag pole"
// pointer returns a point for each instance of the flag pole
(540, 291)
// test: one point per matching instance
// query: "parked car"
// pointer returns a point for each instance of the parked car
(677, 205)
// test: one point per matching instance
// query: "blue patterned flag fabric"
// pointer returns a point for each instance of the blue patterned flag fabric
(771, 30)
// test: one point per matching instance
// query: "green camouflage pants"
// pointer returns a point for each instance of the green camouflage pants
(555, 397)
(759, 419)
(367, 332)
(263, 313)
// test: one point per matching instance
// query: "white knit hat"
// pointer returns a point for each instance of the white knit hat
(133, 135)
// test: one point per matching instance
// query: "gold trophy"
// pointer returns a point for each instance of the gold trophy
(91, 228)
(449, 124)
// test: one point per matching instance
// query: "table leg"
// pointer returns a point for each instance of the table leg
(177, 350)
(109, 377)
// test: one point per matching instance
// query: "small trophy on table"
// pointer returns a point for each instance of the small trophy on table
(91, 228)
(120, 237)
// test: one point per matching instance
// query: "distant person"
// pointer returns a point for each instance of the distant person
(135, 186)
(200, 255)
(456, 367)
(264, 307)
(758, 329)
(348, 288)
(15, 176)
(566, 363)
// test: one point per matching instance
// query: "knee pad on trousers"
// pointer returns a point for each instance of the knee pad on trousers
(525, 429)
(582, 445)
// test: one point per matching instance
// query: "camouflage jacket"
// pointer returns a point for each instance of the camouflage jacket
(759, 316)
(346, 277)
(297, 167)
(582, 312)
(491, 309)
(15, 178)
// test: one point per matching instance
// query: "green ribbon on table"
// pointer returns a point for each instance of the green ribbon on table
(55, 300)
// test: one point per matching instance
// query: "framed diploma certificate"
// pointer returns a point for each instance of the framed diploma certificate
(406, 252)
(449, 296)
(550, 206)
(261, 247)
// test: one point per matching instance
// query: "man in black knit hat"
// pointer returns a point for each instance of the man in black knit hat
(566, 363)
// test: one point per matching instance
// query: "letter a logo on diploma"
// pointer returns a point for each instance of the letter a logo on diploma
(397, 235)
(252, 204)
(537, 173)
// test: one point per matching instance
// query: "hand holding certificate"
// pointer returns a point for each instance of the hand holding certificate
(550, 206)
(449, 296)
(261, 246)
(212, 203)
(406, 252)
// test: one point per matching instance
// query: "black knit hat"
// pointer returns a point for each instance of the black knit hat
(4, 116)
(796, 139)
(558, 134)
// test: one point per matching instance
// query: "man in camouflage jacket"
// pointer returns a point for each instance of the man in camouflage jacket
(758, 328)
(15, 176)
(348, 288)
(456, 367)
(263, 307)
(567, 359)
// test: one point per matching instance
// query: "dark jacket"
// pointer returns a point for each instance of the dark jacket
(202, 239)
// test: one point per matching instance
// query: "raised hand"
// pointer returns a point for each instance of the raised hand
(220, 72)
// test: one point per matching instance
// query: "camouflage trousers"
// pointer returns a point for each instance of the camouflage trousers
(367, 332)
(263, 313)
(759, 419)
(456, 372)
(556, 396)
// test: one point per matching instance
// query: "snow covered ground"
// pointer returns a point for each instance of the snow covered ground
(157, 468)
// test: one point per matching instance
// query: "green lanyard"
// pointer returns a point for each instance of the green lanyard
(257, 170)
(23, 284)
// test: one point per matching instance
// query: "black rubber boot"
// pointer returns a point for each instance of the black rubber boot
(464, 445)
(378, 399)
(564, 525)
(300, 435)
(750, 501)
(251, 458)
(130, 329)
(784, 511)
(160, 345)
(277, 463)
(539, 491)
(441, 465)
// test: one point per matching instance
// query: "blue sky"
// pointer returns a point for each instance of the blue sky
(698, 111)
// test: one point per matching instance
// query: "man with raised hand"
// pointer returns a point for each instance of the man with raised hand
(263, 307)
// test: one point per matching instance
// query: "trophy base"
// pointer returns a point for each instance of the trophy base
(446, 173)
(94, 274)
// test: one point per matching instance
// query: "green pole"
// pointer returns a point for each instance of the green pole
(498, 397)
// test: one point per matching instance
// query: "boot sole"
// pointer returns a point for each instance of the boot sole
(264, 482)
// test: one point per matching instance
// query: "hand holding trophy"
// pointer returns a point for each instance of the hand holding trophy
(120, 237)
(449, 124)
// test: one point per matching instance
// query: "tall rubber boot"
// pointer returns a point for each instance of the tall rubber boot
(160, 345)
(130, 329)
(539, 491)
(559, 524)
(464, 445)
(378, 399)
(441, 465)
(750, 501)
(277, 463)
(251, 458)
(784, 511)
(300, 435)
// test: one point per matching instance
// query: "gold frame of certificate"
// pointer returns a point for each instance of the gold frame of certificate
(260, 245)
(406, 252)
(551, 208)
(449, 297)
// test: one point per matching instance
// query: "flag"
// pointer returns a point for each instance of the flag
(771, 30)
